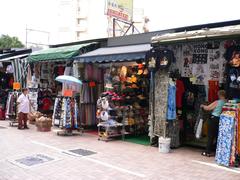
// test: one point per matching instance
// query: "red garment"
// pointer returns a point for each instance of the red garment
(61, 70)
(213, 90)
(179, 93)
(10, 83)
(46, 104)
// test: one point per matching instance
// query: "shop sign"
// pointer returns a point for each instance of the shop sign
(16, 86)
(68, 93)
(120, 9)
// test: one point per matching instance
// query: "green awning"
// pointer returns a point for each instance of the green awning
(60, 53)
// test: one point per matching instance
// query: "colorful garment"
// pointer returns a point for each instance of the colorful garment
(225, 139)
(171, 109)
(179, 93)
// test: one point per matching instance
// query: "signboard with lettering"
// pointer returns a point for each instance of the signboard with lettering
(120, 9)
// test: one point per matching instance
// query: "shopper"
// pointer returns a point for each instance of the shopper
(23, 109)
(213, 122)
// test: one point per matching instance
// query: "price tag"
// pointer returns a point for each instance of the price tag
(68, 93)
(16, 86)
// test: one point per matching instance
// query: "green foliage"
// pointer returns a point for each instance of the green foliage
(10, 42)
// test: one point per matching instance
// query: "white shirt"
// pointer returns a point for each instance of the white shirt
(24, 105)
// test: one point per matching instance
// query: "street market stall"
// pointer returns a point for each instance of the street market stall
(206, 61)
(13, 67)
(46, 65)
(121, 107)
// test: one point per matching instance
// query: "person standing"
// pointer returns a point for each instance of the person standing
(213, 122)
(23, 109)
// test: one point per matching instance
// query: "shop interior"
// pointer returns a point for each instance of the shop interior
(115, 98)
(201, 69)
(6, 86)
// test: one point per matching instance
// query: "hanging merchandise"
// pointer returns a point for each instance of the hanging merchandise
(199, 124)
(159, 58)
(213, 88)
(228, 152)
(65, 113)
(180, 89)
(171, 108)
(124, 106)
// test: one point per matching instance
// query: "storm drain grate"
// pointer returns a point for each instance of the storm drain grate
(34, 160)
(2, 127)
(83, 152)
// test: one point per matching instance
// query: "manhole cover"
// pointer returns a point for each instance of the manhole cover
(2, 127)
(82, 152)
(32, 160)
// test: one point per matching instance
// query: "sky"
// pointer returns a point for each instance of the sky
(15, 15)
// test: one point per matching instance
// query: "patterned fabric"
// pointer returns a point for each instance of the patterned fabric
(161, 99)
(173, 131)
(225, 139)
(171, 109)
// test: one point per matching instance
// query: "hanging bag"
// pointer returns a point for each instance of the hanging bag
(199, 125)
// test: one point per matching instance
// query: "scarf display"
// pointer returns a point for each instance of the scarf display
(65, 113)
(227, 152)
(11, 105)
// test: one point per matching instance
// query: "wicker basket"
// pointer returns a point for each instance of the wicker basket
(44, 124)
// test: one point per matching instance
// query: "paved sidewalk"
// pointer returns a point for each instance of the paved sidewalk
(116, 160)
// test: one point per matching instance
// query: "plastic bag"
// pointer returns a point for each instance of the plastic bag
(199, 125)
(199, 129)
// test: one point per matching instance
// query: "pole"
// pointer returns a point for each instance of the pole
(26, 36)
(114, 27)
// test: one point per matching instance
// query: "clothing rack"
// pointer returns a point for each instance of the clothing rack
(11, 108)
(66, 115)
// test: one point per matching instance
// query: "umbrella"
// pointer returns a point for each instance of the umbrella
(68, 79)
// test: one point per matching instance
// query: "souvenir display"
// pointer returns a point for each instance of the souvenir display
(65, 113)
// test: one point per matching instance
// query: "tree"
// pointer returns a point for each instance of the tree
(10, 42)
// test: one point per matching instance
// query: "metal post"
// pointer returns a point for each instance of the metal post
(114, 27)
(26, 36)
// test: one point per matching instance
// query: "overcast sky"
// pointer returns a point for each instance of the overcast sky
(42, 14)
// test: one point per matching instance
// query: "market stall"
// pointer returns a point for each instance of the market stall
(122, 86)
(206, 61)
(12, 72)
(46, 65)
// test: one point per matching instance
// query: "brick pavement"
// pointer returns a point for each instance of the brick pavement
(114, 160)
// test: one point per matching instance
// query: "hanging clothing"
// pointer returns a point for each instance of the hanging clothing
(171, 109)
(213, 90)
(179, 93)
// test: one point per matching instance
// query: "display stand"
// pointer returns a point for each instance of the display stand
(108, 131)
(67, 119)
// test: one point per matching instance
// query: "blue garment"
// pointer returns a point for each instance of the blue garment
(171, 108)
(225, 139)
(218, 110)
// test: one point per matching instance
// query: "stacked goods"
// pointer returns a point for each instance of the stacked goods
(33, 116)
(44, 124)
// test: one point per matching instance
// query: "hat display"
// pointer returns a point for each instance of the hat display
(133, 79)
(123, 72)
(125, 96)
(109, 86)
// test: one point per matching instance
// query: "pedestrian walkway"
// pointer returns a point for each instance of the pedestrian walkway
(32, 155)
